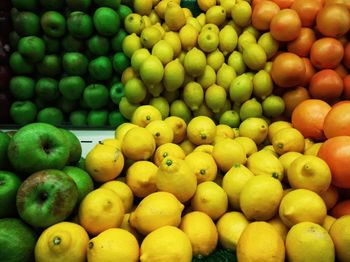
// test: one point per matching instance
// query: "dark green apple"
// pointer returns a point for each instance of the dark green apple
(22, 87)
(19, 65)
(110, 3)
(65, 105)
(72, 87)
(38, 146)
(74, 146)
(98, 45)
(115, 118)
(78, 118)
(116, 92)
(97, 118)
(32, 48)
(96, 96)
(50, 66)
(23, 112)
(50, 115)
(52, 45)
(120, 62)
(75, 63)
(100, 68)
(117, 40)
(106, 21)
(9, 184)
(79, 5)
(52, 4)
(4, 143)
(53, 24)
(123, 11)
(46, 197)
(82, 179)
(72, 44)
(46, 88)
(80, 25)
(25, 5)
(26, 24)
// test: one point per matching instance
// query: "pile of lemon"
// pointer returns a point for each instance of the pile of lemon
(168, 191)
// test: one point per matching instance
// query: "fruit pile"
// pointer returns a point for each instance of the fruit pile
(67, 60)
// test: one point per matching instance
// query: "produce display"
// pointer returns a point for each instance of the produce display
(232, 131)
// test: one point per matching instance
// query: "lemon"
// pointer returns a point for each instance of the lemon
(201, 19)
(328, 222)
(160, 8)
(265, 163)
(262, 84)
(228, 152)
(204, 5)
(245, 39)
(228, 39)
(133, 23)
(301, 205)
(201, 231)
(235, 60)
(211, 199)
(226, 106)
(150, 36)
(156, 210)
(269, 44)
(159, 26)
(99, 210)
(233, 182)
(225, 76)
(193, 95)
(167, 243)
(208, 77)
(203, 110)
(308, 143)
(180, 109)
(174, 75)
(176, 176)
(195, 62)
(274, 127)
(188, 35)
(173, 39)
(287, 159)
(215, 15)
(241, 13)
(146, 21)
(138, 144)
(126, 108)
(161, 132)
(260, 242)
(164, 51)
(288, 139)
(187, 146)
(113, 244)
(280, 227)
(307, 241)
(104, 162)
(313, 150)
(254, 128)
(122, 129)
(224, 131)
(126, 226)
(143, 7)
(123, 191)
(162, 105)
(340, 237)
(193, 22)
(151, 70)
(260, 197)
(215, 59)
(208, 41)
(201, 130)
(179, 127)
(131, 43)
(250, 108)
(155, 90)
(63, 241)
(230, 118)
(273, 106)
(248, 145)
(230, 227)
(330, 197)
(153, 16)
(135, 91)
(111, 142)
(204, 148)
(145, 114)
(254, 56)
(237, 28)
(271, 150)
(215, 97)
(203, 165)
(166, 150)
(240, 89)
(174, 16)
(137, 59)
(141, 178)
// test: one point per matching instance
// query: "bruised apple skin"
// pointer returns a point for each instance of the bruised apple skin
(46, 197)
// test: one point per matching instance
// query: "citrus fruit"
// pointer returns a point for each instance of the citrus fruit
(203, 165)
(123, 191)
(341, 238)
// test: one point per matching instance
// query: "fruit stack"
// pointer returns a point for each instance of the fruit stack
(67, 61)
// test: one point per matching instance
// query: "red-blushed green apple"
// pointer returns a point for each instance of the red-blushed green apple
(9, 184)
(46, 197)
(38, 146)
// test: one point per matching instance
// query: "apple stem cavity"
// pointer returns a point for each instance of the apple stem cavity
(43, 196)
(2, 182)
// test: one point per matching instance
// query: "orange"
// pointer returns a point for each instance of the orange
(337, 121)
(326, 84)
(342, 208)
(293, 97)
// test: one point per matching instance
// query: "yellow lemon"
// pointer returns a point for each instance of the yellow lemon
(143, 7)
(188, 35)
(248, 145)
(194, 22)
(201, 130)
(260, 197)
(174, 16)
(111, 142)
(123, 191)
(161, 132)
(260, 242)
(141, 178)
(122, 129)
(204, 5)
(156, 210)
(64, 241)
(179, 127)
(114, 244)
(127, 74)
(330, 197)
(203, 165)
(313, 150)
(149, 37)
(241, 13)
(328, 222)
(228, 39)
(164, 51)
(228, 152)
(307, 241)
(167, 243)
(152, 70)
(131, 43)
(187, 146)
(187, 12)
(138, 144)
(174, 75)
(310, 172)
(276, 126)
(215, 98)
(201, 231)
(230, 227)
(99, 210)
(153, 16)
(201, 19)
(224, 131)
(233, 182)
(210, 27)
(204, 148)
(133, 23)
(280, 227)
(195, 62)
(208, 41)
(173, 39)
(215, 59)
(211, 199)
(160, 8)
(301, 205)
(227, 5)
(254, 128)
(104, 162)
(287, 140)
(176, 176)
(145, 114)
(286, 160)
(166, 150)
(215, 15)
(208, 77)
(193, 95)
(225, 76)
(126, 226)
(341, 239)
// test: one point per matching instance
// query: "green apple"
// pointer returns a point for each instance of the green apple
(50, 66)
(116, 92)
(80, 25)
(4, 142)
(19, 65)
(82, 180)
(96, 96)
(23, 112)
(72, 44)
(74, 146)
(81, 163)
(100, 68)
(26, 24)
(22, 87)
(9, 184)
(65, 105)
(97, 118)
(109, 3)
(78, 118)
(53, 24)
(50, 115)
(52, 4)
(38, 146)
(75, 63)
(32, 48)
(46, 198)
(115, 118)
(98, 45)
(123, 11)
(106, 21)
(79, 5)
(117, 40)
(25, 5)
(72, 87)
(46, 88)
(53, 45)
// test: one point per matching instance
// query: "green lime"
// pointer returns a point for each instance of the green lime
(115, 119)
(273, 106)
(120, 62)
(262, 84)
(75, 63)
(22, 87)
(180, 109)
(53, 24)
(116, 92)
(250, 108)
(80, 25)
(162, 105)
(241, 88)
(97, 118)
(126, 108)
(230, 118)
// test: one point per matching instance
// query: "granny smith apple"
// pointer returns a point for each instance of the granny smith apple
(46, 197)
(9, 184)
(27, 23)
(32, 48)
(82, 180)
(97, 118)
(98, 45)
(80, 25)
(4, 143)
(72, 44)
(53, 24)
(116, 92)
(52, 4)
(50, 66)
(75, 63)
(22, 87)
(79, 5)
(52, 45)
(71, 87)
(78, 118)
(50, 115)
(25, 5)
(96, 96)
(74, 146)
(38, 146)
(23, 112)
(46, 88)
(106, 21)
(19, 65)
(115, 118)
(100, 68)
(65, 105)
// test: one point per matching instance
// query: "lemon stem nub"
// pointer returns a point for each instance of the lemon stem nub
(57, 241)
(203, 136)
(202, 172)
(148, 118)
(91, 245)
(169, 162)
(280, 145)
(275, 175)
